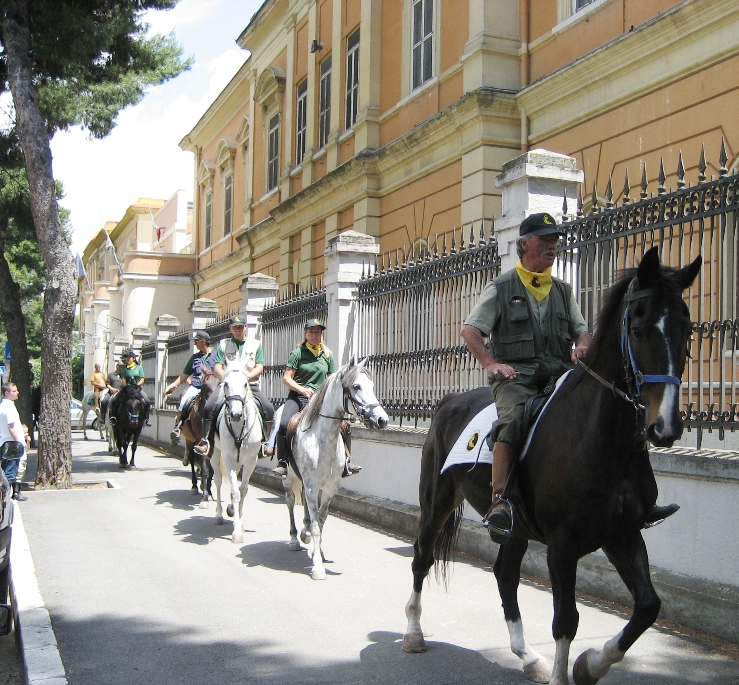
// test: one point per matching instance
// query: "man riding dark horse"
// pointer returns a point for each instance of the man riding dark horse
(197, 372)
(537, 333)
(113, 383)
(247, 351)
(132, 375)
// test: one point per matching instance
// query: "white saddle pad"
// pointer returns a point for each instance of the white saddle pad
(471, 446)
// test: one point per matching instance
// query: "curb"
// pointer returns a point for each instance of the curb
(41, 658)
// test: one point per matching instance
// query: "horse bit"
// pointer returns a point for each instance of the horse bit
(363, 411)
(634, 378)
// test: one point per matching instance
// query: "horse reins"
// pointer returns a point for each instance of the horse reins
(634, 378)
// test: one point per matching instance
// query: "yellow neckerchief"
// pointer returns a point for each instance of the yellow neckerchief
(538, 284)
(130, 365)
(315, 349)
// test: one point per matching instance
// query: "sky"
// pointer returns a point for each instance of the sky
(141, 157)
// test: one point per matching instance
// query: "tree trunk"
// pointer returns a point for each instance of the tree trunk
(15, 327)
(55, 435)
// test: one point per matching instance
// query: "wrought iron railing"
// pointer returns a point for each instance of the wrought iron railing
(410, 315)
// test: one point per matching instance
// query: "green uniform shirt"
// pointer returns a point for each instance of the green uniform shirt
(133, 375)
(310, 371)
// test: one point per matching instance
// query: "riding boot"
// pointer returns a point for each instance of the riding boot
(266, 450)
(281, 448)
(175, 434)
(204, 446)
(659, 514)
(499, 519)
(18, 496)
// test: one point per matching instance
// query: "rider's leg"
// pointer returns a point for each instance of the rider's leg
(268, 414)
(146, 403)
(175, 434)
(350, 467)
(210, 407)
(113, 408)
(292, 406)
(499, 515)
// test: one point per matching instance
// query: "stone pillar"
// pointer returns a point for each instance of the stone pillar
(346, 255)
(167, 326)
(257, 291)
(533, 182)
(140, 335)
(202, 312)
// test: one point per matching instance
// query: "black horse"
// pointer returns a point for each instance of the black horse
(129, 415)
(585, 483)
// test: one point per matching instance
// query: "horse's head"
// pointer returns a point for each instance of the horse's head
(655, 335)
(131, 408)
(358, 387)
(236, 390)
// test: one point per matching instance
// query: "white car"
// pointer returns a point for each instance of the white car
(75, 411)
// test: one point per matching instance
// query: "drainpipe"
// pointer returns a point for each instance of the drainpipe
(524, 8)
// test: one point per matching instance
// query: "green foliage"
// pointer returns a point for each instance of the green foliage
(78, 376)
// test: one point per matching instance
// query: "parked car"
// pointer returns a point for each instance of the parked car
(6, 518)
(75, 411)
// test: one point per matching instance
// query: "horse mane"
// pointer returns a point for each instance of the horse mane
(346, 375)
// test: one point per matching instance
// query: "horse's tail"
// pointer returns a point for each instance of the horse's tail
(445, 545)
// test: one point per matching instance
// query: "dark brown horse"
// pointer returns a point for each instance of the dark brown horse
(585, 483)
(129, 415)
(192, 430)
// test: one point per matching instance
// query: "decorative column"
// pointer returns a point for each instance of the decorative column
(537, 181)
(346, 255)
(202, 312)
(257, 291)
(140, 335)
(167, 325)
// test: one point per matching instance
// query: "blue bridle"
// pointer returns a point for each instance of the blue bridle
(628, 352)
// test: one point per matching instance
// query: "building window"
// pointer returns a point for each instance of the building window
(352, 78)
(422, 42)
(228, 187)
(579, 4)
(324, 103)
(273, 155)
(301, 120)
(208, 217)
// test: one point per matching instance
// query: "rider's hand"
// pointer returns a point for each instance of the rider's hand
(501, 371)
(168, 389)
(578, 353)
(307, 392)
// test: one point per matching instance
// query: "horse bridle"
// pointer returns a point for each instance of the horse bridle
(363, 411)
(238, 439)
(634, 377)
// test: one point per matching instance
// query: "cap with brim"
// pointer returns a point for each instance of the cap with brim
(314, 323)
(540, 224)
(130, 353)
(202, 335)
(236, 321)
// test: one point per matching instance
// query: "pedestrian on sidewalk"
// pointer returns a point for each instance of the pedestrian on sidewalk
(12, 441)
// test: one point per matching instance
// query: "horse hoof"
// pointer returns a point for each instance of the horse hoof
(194, 490)
(230, 510)
(203, 504)
(538, 672)
(413, 643)
(295, 546)
(581, 672)
(305, 536)
(237, 538)
(318, 575)
(219, 520)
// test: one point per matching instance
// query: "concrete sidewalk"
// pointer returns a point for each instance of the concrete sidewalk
(124, 580)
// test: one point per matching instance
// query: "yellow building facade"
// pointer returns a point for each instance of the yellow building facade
(394, 118)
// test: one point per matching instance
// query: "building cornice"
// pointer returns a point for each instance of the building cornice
(681, 41)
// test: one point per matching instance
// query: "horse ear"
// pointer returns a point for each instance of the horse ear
(648, 272)
(684, 277)
(363, 363)
(353, 360)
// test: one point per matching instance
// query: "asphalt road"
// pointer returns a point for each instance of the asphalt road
(143, 587)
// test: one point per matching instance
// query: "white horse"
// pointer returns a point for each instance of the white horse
(88, 405)
(237, 443)
(319, 455)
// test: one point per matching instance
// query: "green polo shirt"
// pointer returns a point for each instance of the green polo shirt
(133, 375)
(310, 371)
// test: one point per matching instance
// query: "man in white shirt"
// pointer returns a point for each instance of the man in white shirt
(12, 440)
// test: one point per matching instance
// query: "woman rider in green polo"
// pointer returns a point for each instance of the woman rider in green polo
(308, 367)
(132, 374)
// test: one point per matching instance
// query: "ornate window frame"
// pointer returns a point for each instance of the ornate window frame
(269, 94)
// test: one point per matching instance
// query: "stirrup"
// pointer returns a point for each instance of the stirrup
(175, 434)
(203, 447)
(659, 514)
(499, 520)
(281, 468)
(113, 421)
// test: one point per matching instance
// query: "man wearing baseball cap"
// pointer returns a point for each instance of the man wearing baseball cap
(132, 374)
(536, 332)
(197, 370)
(248, 351)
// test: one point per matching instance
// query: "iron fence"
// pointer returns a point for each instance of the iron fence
(409, 318)
(149, 364)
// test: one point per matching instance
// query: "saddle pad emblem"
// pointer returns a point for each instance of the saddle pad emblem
(473, 441)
